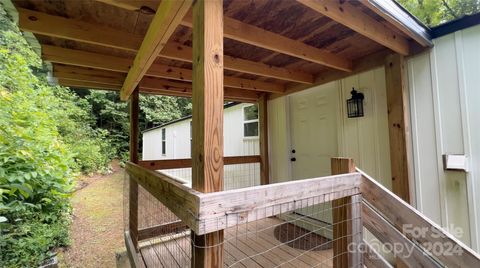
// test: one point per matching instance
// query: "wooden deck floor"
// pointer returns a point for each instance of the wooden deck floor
(254, 249)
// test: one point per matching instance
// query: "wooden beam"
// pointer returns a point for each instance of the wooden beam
(402, 215)
(86, 74)
(386, 9)
(72, 29)
(167, 18)
(252, 35)
(178, 198)
(342, 218)
(133, 186)
(187, 162)
(263, 139)
(360, 65)
(154, 86)
(207, 119)
(398, 124)
(176, 51)
(131, 251)
(372, 258)
(229, 208)
(118, 64)
(352, 17)
(410, 253)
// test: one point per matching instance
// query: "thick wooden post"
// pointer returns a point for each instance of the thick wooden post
(133, 188)
(263, 139)
(207, 120)
(398, 124)
(347, 225)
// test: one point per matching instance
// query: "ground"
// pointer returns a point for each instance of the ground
(97, 227)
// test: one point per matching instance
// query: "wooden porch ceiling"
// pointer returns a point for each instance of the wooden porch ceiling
(270, 46)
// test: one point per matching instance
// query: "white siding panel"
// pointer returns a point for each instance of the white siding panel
(445, 120)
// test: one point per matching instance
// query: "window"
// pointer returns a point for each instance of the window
(250, 121)
(164, 141)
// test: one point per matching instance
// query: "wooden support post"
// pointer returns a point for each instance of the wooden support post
(263, 139)
(133, 188)
(207, 119)
(398, 124)
(347, 225)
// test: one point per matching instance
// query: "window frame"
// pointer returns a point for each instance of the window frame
(245, 121)
(163, 139)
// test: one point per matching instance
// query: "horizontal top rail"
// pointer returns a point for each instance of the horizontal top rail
(187, 162)
(180, 199)
(209, 212)
(408, 220)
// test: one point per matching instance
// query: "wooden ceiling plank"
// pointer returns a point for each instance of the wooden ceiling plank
(117, 64)
(77, 30)
(72, 29)
(353, 18)
(253, 35)
(163, 25)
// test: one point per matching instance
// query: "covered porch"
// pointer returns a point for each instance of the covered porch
(247, 51)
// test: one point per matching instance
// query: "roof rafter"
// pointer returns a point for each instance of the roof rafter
(156, 86)
(72, 29)
(344, 13)
(168, 16)
(253, 35)
(118, 64)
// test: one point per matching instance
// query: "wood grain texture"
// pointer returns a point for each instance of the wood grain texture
(372, 258)
(341, 213)
(132, 251)
(395, 23)
(176, 51)
(159, 230)
(346, 14)
(360, 65)
(400, 214)
(118, 64)
(398, 124)
(207, 119)
(187, 162)
(238, 206)
(411, 254)
(178, 198)
(252, 35)
(167, 18)
(263, 139)
(133, 150)
(77, 30)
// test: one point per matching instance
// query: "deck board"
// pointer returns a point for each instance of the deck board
(252, 245)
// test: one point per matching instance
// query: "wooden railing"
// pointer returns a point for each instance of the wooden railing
(208, 212)
(187, 162)
(384, 214)
(395, 222)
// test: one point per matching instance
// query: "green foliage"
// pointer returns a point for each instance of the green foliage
(46, 136)
(112, 115)
(434, 12)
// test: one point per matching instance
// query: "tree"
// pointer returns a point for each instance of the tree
(434, 12)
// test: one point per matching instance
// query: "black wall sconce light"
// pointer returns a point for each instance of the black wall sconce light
(355, 104)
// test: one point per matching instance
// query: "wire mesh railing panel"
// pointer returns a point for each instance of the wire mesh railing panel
(235, 176)
(291, 238)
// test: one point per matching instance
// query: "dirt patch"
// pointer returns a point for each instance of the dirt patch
(300, 238)
(97, 227)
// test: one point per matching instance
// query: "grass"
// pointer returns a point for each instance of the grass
(97, 228)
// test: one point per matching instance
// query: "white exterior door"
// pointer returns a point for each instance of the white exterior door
(313, 129)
